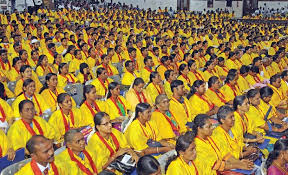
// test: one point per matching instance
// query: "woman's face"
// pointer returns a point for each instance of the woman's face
(139, 88)
(66, 104)
(229, 120)
(201, 89)
(146, 115)
(27, 73)
(24, 56)
(53, 81)
(207, 129)
(193, 66)
(19, 64)
(86, 70)
(164, 104)
(30, 89)
(59, 58)
(28, 111)
(92, 94)
(255, 101)
(245, 106)
(217, 85)
(190, 152)
(185, 71)
(64, 69)
(45, 61)
(116, 91)
(105, 125)
(157, 79)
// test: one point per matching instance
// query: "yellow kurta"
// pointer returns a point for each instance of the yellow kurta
(179, 167)
(217, 98)
(99, 150)
(41, 101)
(5, 143)
(137, 135)
(113, 110)
(6, 109)
(128, 78)
(71, 166)
(19, 86)
(243, 84)
(64, 80)
(89, 117)
(229, 93)
(145, 74)
(199, 105)
(19, 135)
(133, 99)
(167, 88)
(56, 120)
(100, 89)
(154, 91)
(277, 96)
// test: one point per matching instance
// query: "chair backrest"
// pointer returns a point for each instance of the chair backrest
(12, 169)
(12, 85)
(10, 101)
(76, 92)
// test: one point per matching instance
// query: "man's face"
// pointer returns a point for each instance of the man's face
(44, 152)
(4, 56)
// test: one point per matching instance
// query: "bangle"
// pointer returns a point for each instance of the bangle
(157, 148)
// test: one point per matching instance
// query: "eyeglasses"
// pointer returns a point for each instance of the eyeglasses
(107, 123)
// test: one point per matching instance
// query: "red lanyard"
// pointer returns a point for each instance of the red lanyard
(186, 78)
(183, 162)
(159, 91)
(102, 83)
(148, 69)
(202, 97)
(91, 109)
(37, 102)
(210, 144)
(2, 114)
(30, 129)
(145, 134)
(139, 97)
(233, 89)
(244, 126)
(115, 141)
(72, 79)
(36, 170)
(115, 103)
(1, 152)
(80, 165)
(257, 79)
(222, 98)
(225, 133)
(65, 121)
(108, 69)
(52, 94)
(174, 128)
(3, 65)
(47, 67)
(197, 75)
(119, 57)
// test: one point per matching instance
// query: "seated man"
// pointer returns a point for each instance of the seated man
(42, 154)
(130, 74)
(77, 159)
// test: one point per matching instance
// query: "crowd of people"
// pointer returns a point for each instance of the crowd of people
(209, 92)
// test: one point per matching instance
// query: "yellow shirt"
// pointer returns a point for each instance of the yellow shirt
(19, 135)
(264, 107)
(229, 93)
(217, 98)
(208, 74)
(8, 112)
(179, 167)
(162, 69)
(5, 143)
(89, 112)
(246, 59)
(284, 88)
(182, 112)
(167, 88)
(133, 99)
(137, 134)
(243, 84)
(13, 74)
(200, 104)
(187, 82)
(230, 64)
(128, 78)
(113, 111)
(64, 80)
(275, 68)
(198, 75)
(39, 104)
(71, 166)
(101, 89)
(99, 150)
(57, 121)
(256, 118)
(277, 96)
(145, 74)
(111, 70)
(75, 65)
(19, 86)
(154, 91)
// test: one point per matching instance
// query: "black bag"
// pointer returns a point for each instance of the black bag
(118, 165)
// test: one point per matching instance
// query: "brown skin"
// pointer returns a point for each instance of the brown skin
(44, 152)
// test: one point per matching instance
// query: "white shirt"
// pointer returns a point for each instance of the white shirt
(43, 168)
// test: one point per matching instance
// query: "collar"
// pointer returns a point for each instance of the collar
(42, 168)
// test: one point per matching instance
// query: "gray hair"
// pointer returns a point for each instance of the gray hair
(160, 98)
(69, 135)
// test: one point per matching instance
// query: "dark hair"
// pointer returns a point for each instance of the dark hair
(127, 63)
(274, 78)
(195, 85)
(152, 76)
(212, 80)
(238, 100)
(147, 165)
(167, 73)
(255, 69)
(223, 112)
(141, 107)
(208, 63)
(98, 118)
(146, 59)
(280, 145)
(252, 93)
(24, 67)
(138, 81)
(61, 65)
(99, 71)
(22, 103)
(86, 89)
(69, 49)
(32, 142)
(47, 78)
(82, 67)
(2, 92)
(199, 121)
(164, 59)
(244, 69)
(175, 84)
(181, 68)
(111, 86)
(266, 92)
(230, 77)
(41, 58)
(284, 73)
(15, 60)
(61, 97)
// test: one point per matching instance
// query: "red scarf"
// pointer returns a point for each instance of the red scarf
(2, 114)
(52, 94)
(91, 108)
(198, 75)
(37, 102)
(148, 69)
(139, 98)
(115, 141)
(174, 128)
(72, 79)
(3, 65)
(65, 121)
(36, 170)
(30, 129)
(108, 69)
(80, 165)
(202, 97)
(145, 134)
(1, 152)
(222, 98)
(115, 103)
(233, 89)
(187, 79)
(158, 90)
(102, 83)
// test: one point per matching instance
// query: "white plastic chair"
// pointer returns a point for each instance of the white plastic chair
(12, 169)
(12, 85)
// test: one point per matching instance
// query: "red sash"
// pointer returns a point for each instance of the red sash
(73, 81)
(222, 98)
(108, 69)
(115, 141)
(198, 75)
(48, 68)
(80, 165)
(3, 65)
(148, 69)
(2, 114)
(139, 98)
(145, 134)
(52, 95)
(65, 121)
(30, 129)
(115, 103)
(37, 171)
(216, 147)
(233, 89)
(0, 152)
(119, 57)
(257, 79)
(211, 105)
(170, 122)
(244, 126)
(159, 91)
(91, 109)
(102, 83)
(187, 79)
(37, 102)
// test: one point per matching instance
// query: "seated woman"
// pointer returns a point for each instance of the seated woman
(101, 83)
(43, 67)
(66, 117)
(199, 101)
(84, 75)
(209, 70)
(155, 86)
(118, 106)
(26, 72)
(64, 77)
(29, 93)
(277, 163)
(137, 94)
(183, 76)
(230, 89)
(29, 125)
(143, 135)
(14, 73)
(106, 144)
(183, 162)
(57, 61)
(194, 74)
(148, 165)
(91, 105)
(213, 92)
